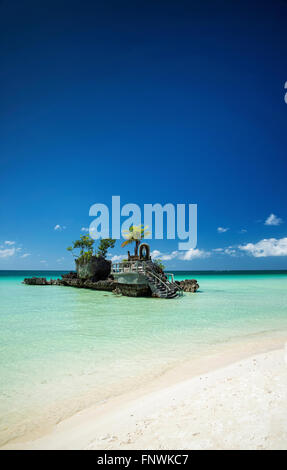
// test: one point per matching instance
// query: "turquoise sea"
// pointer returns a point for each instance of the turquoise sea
(62, 349)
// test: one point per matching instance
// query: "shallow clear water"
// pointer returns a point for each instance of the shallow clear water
(62, 349)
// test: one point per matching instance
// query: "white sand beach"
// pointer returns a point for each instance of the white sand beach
(242, 405)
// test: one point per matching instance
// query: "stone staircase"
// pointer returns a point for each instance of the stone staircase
(160, 286)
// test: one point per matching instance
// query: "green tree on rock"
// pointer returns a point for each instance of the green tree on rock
(86, 246)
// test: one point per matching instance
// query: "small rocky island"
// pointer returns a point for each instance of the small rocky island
(111, 285)
(137, 276)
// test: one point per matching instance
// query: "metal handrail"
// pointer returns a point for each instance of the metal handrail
(173, 281)
(171, 275)
(161, 280)
(122, 267)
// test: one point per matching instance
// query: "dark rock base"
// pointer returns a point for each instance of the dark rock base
(96, 269)
(109, 285)
(188, 285)
(132, 290)
(40, 281)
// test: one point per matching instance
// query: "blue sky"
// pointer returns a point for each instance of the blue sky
(179, 102)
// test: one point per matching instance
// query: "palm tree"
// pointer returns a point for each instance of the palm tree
(135, 234)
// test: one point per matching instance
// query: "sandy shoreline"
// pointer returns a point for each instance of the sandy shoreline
(242, 405)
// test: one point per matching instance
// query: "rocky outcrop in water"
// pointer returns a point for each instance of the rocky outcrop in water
(132, 290)
(108, 285)
(40, 281)
(188, 285)
(35, 281)
(70, 275)
(96, 269)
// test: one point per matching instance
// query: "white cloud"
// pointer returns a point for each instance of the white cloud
(266, 247)
(117, 258)
(243, 230)
(59, 227)
(194, 253)
(164, 256)
(43, 261)
(230, 251)
(84, 229)
(25, 255)
(7, 252)
(169, 256)
(155, 254)
(9, 243)
(181, 255)
(60, 260)
(222, 229)
(273, 220)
